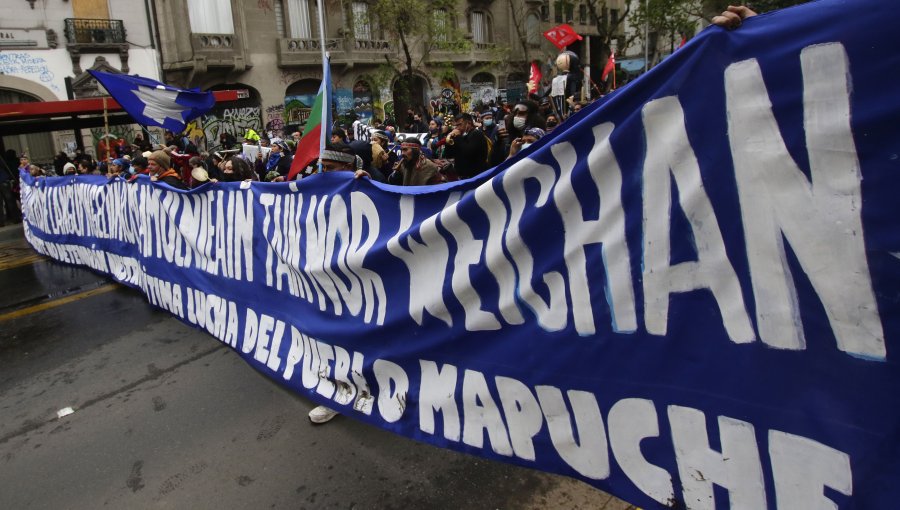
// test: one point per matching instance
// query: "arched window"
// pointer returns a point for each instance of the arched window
(480, 26)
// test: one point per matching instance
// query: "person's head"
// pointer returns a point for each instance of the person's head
(84, 167)
(487, 119)
(168, 135)
(24, 161)
(296, 136)
(338, 135)
(337, 157)
(35, 171)
(195, 162)
(237, 168)
(139, 137)
(411, 149)
(139, 164)
(68, 169)
(464, 122)
(520, 116)
(158, 162)
(264, 142)
(531, 135)
(552, 121)
(577, 108)
(119, 165)
(434, 126)
(380, 137)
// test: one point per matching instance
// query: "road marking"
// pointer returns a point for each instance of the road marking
(57, 302)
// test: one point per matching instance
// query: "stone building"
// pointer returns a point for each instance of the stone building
(47, 45)
(272, 48)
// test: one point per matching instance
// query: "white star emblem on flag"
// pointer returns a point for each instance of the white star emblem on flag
(159, 103)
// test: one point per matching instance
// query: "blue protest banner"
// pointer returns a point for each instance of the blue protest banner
(686, 295)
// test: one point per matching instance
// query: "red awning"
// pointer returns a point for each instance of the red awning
(42, 116)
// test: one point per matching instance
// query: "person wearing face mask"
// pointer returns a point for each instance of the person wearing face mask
(492, 130)
(524, 115)
(530, 136)
(552, 122)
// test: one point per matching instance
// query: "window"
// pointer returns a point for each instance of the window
(441, 25)
(564, 12)
(302, 19)
(582, 14)
(533, 29)
(545, 10)
(481, 27)
(210, 16)
(613, 18)
(362, 27)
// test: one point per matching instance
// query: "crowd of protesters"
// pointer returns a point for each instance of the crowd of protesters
(424, 148)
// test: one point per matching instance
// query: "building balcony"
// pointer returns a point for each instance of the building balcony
(477, 53)
(302, 52)
(95, 36)
(217, 50)
(95, 32)
(346, 52)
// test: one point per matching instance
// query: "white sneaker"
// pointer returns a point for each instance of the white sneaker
(322, 414)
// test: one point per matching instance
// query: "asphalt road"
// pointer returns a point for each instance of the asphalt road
(165, 416)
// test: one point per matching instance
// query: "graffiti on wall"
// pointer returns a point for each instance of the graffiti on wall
(205, 131)
(297, 108)
(27, 66)
(275, 120)
(99, 144)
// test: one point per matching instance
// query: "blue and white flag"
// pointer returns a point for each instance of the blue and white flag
(153, 103)
(687, 295)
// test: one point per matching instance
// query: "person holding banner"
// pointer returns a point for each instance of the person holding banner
(158, 166)
(733, 16)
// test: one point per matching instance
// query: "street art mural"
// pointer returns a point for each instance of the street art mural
(204, 131)
(363, 105)
(297, 109)
(275, 120)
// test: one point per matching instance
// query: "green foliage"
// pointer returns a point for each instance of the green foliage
(668, 16)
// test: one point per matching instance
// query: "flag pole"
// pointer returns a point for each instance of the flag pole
(106, 132)
(326, 108)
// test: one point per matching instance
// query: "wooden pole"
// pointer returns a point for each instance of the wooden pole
(106, 131)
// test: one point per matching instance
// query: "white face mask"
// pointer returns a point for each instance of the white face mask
(519, 122)
(526, 145)
(488, 122)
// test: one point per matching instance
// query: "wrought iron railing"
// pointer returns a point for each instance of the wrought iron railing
(95, 31)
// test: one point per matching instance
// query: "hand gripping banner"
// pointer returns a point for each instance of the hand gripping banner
(687, 296)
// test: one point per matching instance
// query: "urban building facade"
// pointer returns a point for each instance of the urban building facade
(272, 48)
(46, 47)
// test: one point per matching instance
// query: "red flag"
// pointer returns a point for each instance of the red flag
(610, 66)
(534, 80)
(562, 36)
